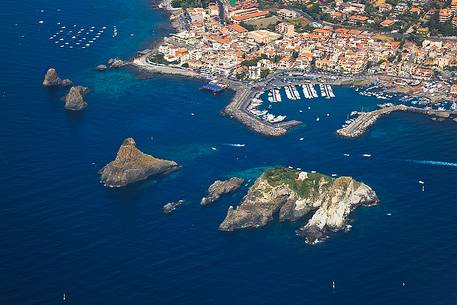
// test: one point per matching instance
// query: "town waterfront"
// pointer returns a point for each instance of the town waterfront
(63, 232)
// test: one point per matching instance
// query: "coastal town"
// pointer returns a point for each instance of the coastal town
(254, 47)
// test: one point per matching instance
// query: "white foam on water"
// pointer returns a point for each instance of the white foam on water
(431, 162)
(234, 144)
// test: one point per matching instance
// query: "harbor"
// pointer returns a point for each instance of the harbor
(245, 105)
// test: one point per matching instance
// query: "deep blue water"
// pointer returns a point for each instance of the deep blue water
(62, 232)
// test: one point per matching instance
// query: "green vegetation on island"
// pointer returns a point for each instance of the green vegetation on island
(287, 176)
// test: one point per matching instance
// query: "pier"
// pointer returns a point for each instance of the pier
(366, 119)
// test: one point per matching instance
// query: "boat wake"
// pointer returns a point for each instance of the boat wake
(431, 162)
(234, 144)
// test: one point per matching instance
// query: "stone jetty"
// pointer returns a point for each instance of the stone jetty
(366, 119)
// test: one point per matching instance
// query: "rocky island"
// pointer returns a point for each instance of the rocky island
(74, 100)
(294, 194)
(171, 206)
(219, 188)
(132, 165)
(52, 79)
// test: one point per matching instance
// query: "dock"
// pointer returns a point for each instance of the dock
(366, 119)
(213, 88)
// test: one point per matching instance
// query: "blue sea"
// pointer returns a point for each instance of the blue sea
(61, 232)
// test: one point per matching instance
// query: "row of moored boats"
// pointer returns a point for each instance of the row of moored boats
(292, 93)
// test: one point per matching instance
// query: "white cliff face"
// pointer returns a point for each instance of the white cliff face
(344, 197)
(330, 201)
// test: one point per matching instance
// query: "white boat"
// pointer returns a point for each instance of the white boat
(317, 119)
(366, 155)
(278, 119)
(346, 155)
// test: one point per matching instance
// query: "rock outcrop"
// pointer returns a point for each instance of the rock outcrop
(171, 206)
(131, 165)
(52, 79)
(101, 67)
(219, 188)
(74, 100)
(114, 63)
(293, 194)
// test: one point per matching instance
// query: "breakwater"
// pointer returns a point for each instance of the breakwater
(366, 119)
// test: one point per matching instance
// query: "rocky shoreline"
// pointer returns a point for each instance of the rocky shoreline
(131, 165)
(294, 194)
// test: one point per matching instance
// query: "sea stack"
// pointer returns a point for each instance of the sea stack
(219, 188)
(74, 100)
(293, 195)
(131, 165)
(52, 79)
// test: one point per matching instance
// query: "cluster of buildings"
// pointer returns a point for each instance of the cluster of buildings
(358, 14)
(449, 13)
(230, 50)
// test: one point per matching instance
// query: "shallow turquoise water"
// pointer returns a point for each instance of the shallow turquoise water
(61, 231)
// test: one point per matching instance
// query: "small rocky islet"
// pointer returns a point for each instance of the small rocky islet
(171, 206)
(74, 100)
(293, 195)
(52, 79)
(132, 165)
(219, 188)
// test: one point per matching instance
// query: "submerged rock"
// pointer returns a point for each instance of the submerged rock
(52, 79)
(132, 165)
(171, 206)
(74, 100)
(218, 188)
(293, 194)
